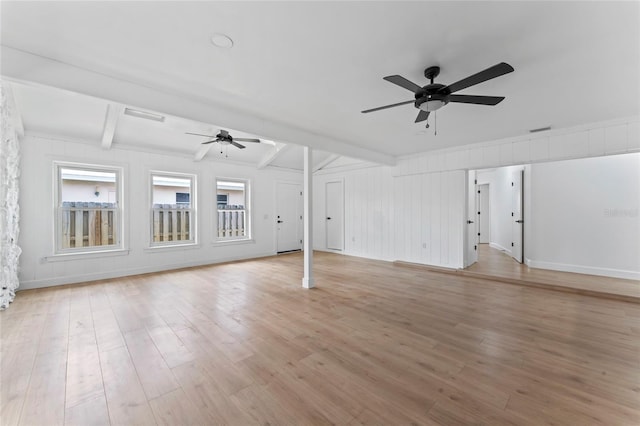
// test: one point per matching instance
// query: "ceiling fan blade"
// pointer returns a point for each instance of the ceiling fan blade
(215, 140)
(491, 72)
(237, 145)
(422, 115)
(199, 134)
(403, 82)
(388, 106)
(246, 140)
(478, 100)
(224, 133)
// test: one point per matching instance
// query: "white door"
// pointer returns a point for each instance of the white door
(484, 214)
(334, 215)
(517, 227)
(471, 224)
(288, 216)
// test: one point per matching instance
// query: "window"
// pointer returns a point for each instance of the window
(233, 211)
(182, 198)
(172, 208)
(89, 208)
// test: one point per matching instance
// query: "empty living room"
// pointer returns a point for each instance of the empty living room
(309, 213)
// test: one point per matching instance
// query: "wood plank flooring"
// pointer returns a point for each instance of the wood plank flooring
(499, 265)
(242, 343)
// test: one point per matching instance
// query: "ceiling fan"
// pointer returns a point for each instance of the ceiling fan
(434, 96)
(224, 138)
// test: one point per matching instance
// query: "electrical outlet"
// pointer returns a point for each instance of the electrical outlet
(353, 239)
(424, 245)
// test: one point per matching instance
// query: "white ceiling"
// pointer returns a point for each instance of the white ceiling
(316, 65)
(47, 111)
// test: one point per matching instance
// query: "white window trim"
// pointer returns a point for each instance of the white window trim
(94, 251)
(248, 237)
(86, 255)
(154, 247)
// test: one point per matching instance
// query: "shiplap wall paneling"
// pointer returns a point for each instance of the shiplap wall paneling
(435, 201)
(427, 221)
(429, 210)
(606, 138)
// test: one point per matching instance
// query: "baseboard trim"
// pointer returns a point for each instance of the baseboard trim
(499, 247)
(75, 279)
(424, 266)
(589, 270)
(525, 283)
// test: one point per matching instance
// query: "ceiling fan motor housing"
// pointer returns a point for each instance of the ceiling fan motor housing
(224, 138)
(432, 93)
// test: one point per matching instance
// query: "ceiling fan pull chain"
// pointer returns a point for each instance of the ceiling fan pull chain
(435, 123)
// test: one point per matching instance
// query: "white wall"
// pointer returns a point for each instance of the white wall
(391, 211)
(368, 212)
(590, 140)
(584, 216)
(39, 268)
(412, 212)
(414, 218)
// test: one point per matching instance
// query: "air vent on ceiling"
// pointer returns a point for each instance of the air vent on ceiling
(541, 129)
(144, 114)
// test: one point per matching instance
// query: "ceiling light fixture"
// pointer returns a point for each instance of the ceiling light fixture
(434, 102)
(222, 41)
(144, 114)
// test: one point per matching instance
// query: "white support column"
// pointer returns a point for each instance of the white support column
(307, 279)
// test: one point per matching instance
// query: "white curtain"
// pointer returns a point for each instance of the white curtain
(9, 190)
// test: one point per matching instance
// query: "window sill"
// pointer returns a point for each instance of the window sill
(171, 247)
(233, 242)
(63, 257)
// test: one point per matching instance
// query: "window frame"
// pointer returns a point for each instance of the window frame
(118, 215)
(248, 214)
(193, 231)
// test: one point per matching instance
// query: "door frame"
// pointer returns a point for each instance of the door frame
(520, 192)
(484, 214)
(470, 212)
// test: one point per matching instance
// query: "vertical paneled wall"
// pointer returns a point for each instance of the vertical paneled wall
(591, 140)
(368, 212)
(429, 216)
(416, 218)
(414, 212)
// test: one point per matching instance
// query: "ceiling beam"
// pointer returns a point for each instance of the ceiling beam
(272, 155)
(201, 152)
(114, 111)
(330, 159)
(19, 66)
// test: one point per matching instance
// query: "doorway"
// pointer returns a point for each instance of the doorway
(288, 217)
(517, 219)
(498, 204)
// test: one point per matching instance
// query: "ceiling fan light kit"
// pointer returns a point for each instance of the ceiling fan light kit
(434, 96)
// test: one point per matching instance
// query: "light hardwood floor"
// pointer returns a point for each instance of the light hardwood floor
(242, 343)
(501, 266)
